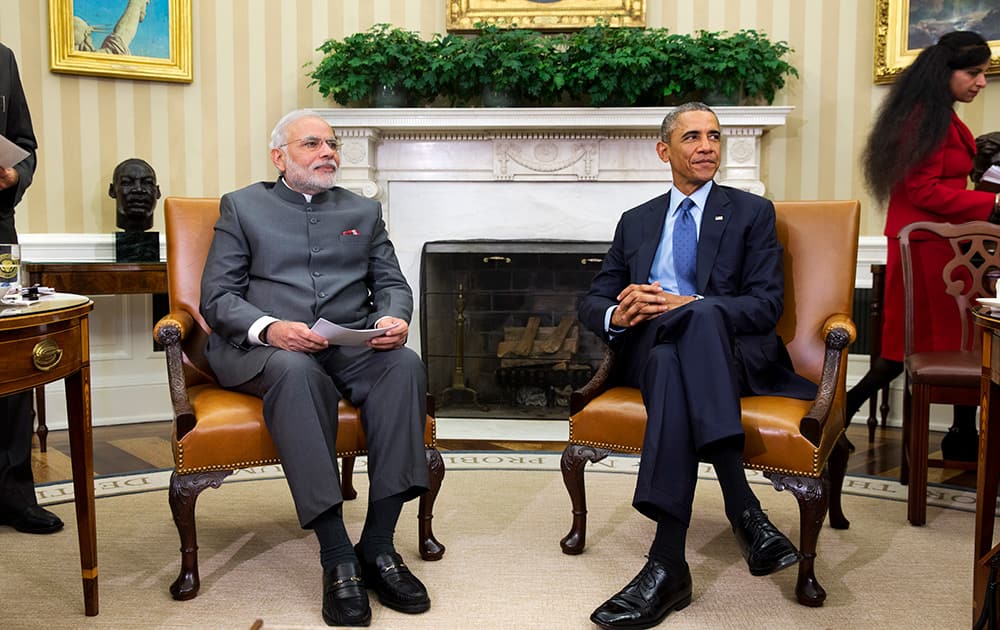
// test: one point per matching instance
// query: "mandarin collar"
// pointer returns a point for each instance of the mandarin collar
(287, 194)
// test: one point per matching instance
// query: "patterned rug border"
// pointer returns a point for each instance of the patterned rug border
(946, 497)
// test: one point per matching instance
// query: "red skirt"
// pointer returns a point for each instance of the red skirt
(936, 315)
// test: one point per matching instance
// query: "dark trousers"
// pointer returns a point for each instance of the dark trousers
(17, 485)
(683, 364)
(301, 393)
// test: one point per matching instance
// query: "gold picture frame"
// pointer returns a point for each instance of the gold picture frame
(561, 15)
(126, 39)
(893, 31)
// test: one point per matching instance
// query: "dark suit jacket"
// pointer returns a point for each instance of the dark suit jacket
(15, 125)
(274, 254)
(739, 269)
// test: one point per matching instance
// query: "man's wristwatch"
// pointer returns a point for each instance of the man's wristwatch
(263, 334)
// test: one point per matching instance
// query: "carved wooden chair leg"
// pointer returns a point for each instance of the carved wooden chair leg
(183, 494)
(813, 497)
(574, 458)
(917, 446)
(430, 548)
(904, 464)
(837, 464)
(347, 489)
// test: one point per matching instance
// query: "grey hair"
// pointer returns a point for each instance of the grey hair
(670, 120)
(279, 135)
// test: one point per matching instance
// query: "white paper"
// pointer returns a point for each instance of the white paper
(992, 175)
(340, 336)
(10, 153)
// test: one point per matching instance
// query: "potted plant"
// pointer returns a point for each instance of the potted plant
(384, 66)
(620, 66)
(511, 65)
(744, 67)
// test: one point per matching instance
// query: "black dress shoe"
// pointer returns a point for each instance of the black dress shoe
(392, 581)
(345, 600)
(765, 548)
(647, 599)
(960, 445)
(33, 519)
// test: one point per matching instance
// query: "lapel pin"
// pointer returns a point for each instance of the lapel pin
(719, 217)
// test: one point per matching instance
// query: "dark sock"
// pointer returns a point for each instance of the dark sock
(380, 526)
(964, 419)
(726, 456)
(668, 545)
(881, 373)
(334, 543)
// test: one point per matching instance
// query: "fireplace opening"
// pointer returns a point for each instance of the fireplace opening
(498, 325)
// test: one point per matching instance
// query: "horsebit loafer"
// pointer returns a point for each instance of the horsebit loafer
(765, 548)
(345, 600)
(647, 599)
(392, 581)
(33, 519)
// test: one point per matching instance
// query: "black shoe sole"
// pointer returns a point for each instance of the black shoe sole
(649, 623)
(786, 561)
(330, 621)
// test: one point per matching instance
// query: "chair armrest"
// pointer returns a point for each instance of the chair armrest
(170, 331)
(838, 333)
(595, 386)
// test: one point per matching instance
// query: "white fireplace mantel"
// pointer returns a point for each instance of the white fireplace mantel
(531, 144)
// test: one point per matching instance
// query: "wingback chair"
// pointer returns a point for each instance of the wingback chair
(953, 377)
(797, 443)
(217, 431)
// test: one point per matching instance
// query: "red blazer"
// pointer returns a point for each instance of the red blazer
(934, 190)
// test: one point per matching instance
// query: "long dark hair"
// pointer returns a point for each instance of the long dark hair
(916, 114)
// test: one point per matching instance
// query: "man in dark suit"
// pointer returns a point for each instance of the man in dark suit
(18, 506)
(688, 296)
(284, 254)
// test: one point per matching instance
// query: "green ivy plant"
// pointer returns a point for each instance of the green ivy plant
(383, 55)
(598, 65)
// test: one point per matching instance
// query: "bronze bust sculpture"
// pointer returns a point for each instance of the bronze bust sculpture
(134, 189)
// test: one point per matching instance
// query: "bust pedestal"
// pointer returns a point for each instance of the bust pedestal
(137, 247)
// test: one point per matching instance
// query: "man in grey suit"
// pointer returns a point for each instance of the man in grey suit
(284, 254)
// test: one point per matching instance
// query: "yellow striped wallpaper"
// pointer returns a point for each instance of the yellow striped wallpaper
(210, 136)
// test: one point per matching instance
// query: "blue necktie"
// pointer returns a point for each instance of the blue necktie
(685, 248)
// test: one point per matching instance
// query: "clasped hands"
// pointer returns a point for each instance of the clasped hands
(297, 337)
(641, 302)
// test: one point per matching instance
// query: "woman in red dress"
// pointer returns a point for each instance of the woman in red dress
(918, 156)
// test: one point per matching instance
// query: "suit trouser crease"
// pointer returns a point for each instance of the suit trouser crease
(301, 393)
(690, 388)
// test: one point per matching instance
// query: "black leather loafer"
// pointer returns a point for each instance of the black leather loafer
(345, 600)
(392, 581)
(645, 601)
(33, 520)
(765, 548)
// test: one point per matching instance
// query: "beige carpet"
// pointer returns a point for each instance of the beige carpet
(501, 517)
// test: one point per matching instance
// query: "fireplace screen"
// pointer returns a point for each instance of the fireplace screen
(499, 332)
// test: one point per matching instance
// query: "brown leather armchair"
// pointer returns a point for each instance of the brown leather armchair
(797, 443)
(950, 378)
(217, 431)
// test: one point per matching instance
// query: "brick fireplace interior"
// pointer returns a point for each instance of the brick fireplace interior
(499, 332)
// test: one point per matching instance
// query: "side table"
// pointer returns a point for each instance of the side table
(41, 343)
(989, 455)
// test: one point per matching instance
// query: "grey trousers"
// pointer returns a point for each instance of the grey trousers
(301, 392)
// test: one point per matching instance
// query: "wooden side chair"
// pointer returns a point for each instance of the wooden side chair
(797, 443)
(217, 431)
(949, 378)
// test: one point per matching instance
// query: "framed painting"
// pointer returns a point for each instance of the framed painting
(561, 15)
(127, 39)
(905, 27)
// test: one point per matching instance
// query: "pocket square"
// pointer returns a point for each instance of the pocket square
(351, 232)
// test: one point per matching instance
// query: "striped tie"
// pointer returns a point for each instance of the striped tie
(685, 248)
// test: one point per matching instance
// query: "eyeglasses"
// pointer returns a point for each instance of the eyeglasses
(312, 143)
